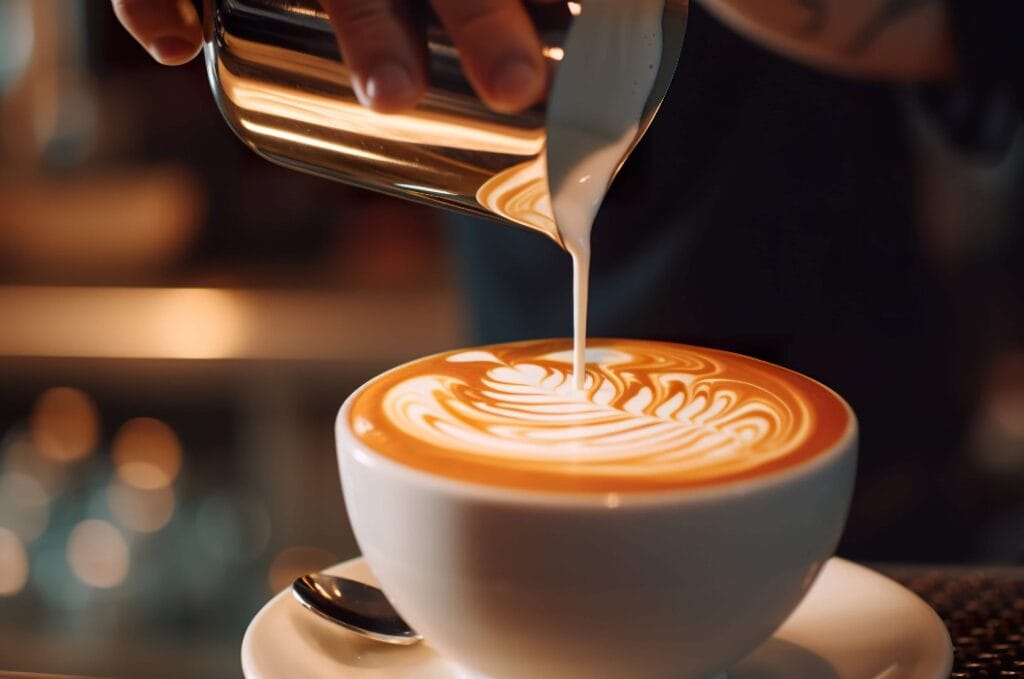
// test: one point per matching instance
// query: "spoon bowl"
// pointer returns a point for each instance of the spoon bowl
(356, 606)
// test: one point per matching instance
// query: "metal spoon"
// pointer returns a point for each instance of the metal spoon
(356, 606)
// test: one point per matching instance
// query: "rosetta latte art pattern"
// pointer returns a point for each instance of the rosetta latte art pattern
(648, 410)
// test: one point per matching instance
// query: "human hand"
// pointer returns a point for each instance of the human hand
(168, 29)
(500, 49)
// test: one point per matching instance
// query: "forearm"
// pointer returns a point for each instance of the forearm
(893, 40)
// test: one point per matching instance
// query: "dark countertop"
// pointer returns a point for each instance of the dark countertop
(983, 608)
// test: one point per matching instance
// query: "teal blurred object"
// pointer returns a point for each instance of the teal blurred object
(16, 37)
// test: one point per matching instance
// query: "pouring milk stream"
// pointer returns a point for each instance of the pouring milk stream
(594, 111)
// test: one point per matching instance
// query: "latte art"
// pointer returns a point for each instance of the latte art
(520, 195)
(651, 415)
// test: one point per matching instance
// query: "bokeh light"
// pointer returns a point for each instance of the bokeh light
(24, 505)
(295, 562)
(98, 554)
(65, 424)
(13, 563)
(140, 510)
(147, 453)
(20, 455)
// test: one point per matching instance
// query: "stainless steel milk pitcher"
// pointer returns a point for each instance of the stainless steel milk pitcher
(278, 78)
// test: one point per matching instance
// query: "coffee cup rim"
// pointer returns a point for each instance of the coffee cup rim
(845, 444)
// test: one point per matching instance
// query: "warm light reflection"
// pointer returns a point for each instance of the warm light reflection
(306, 140)
(98, 554)
(556, 53)
(89, 225)
(422, 126)
(65, 424)
(147, 453)
(24, 505)
(143, 511)
(174, 323)
(419, 188)
(197, 323)
(575, 8)
(295, 562)
(13, 563)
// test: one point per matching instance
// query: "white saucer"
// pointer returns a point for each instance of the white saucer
(854, 624)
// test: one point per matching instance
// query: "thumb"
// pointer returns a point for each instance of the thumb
(168, 29)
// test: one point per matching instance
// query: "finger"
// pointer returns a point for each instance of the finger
(168, 29)
(382, 49)
(500, 50)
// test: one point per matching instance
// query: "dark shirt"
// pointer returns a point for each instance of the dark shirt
(769, 210)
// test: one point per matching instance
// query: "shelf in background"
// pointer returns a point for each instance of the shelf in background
(217, 324)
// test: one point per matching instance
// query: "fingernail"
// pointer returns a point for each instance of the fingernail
(517, 83)
(172, 50)
(389, 86)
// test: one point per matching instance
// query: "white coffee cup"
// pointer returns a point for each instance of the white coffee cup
(516, 583)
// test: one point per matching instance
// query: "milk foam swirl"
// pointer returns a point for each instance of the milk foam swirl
(648, 410)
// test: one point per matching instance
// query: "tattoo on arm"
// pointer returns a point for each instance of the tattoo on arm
(889, 13)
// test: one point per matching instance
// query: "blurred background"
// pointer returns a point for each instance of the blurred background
(179, 322)
(180, 319)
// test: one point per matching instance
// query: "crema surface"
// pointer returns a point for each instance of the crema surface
(651, 416)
